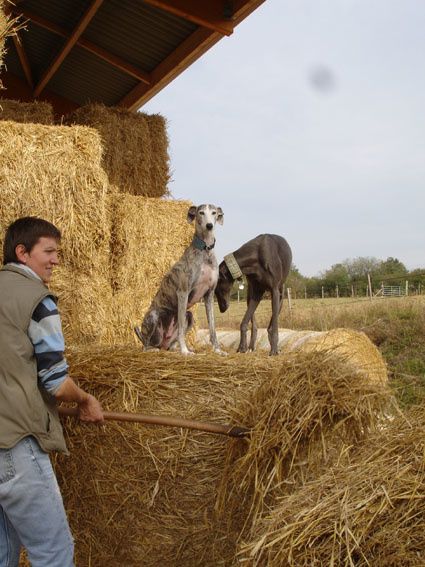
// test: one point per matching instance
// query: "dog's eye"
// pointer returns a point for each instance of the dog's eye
(201, 213)
(214, 212)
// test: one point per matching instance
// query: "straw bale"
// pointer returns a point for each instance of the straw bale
(85, 305)
(370, 512)
(307, 416)
(148, 237)
(38, 112)
(160, 160)
(128, 142)
(54, 172)
(354, 347)
(154, 495)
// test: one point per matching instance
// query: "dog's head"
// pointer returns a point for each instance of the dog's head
(150, 333)
(223, 288)
(205, 217)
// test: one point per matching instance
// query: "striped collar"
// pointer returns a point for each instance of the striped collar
(199, 244)
(233, 266)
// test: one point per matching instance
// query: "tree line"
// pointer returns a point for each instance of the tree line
(351, 278)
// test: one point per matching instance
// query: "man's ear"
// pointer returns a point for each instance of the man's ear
(191, 214)
(220, 215)
(21, 253)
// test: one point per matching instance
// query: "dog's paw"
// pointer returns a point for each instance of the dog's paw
(220, 352)
(187, 352)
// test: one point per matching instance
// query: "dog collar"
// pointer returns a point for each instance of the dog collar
(233, 266)
(199, 244)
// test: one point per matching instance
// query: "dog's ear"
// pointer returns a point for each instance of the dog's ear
(191, 214)
(220, 215)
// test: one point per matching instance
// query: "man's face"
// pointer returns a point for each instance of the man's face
(43, 258)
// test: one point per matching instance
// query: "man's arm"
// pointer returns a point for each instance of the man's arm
(45, 333)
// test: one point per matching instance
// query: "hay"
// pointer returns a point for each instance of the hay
(370, 512)
(136, 156)
(54, 172)
(37, 112)
(353, 347)
(8, 27)
(160, 161)
(306, 416)
(147, 495)
(148, 237)
(85, 306)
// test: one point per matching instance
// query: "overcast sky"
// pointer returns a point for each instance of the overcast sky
(309, 122)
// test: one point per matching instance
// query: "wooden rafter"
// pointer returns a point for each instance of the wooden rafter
(207, 14)
(72, 40)
(187, 52)
(17, 40)
(113, 60)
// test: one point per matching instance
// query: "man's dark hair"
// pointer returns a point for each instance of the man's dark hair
(27, 231)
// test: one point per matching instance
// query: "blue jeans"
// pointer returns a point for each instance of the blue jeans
(31, 509)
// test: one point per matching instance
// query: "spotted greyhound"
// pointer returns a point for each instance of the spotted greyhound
(192, 278)
(265, 261)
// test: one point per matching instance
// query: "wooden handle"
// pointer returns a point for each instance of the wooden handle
(229, 430)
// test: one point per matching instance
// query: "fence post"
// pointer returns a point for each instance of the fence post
(370, 286)
(407, 288)
(288, 291)
(323, 293)
(337, 292)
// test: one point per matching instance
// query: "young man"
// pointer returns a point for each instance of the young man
(33, 378)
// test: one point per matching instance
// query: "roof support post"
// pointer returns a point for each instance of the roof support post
(17, 41)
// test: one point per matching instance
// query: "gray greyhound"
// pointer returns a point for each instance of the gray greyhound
(265, 261)
(192, 278)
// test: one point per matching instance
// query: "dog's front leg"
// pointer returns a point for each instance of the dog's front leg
(209, 309)
(181, 321)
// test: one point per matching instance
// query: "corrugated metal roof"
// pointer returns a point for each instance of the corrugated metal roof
(78, 70)
(131, 39)
(138, 33)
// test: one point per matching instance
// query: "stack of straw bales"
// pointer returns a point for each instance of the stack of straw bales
(115, 248)
(369, 512)
(148, 237)
(54, 172)
(38, 112)
(154, 495)
(136, 147)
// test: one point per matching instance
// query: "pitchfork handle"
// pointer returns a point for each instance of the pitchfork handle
(229, 430)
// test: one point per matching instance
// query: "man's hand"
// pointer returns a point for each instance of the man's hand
(89, 407)
(90, 410)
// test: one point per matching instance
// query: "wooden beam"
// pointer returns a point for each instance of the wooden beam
(17, 41)
(113, 60)
(186, 54)
(72, 40)
(207, 14)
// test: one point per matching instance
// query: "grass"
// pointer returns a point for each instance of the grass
(395, 325)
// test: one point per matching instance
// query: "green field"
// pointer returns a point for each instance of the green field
(396, 326)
